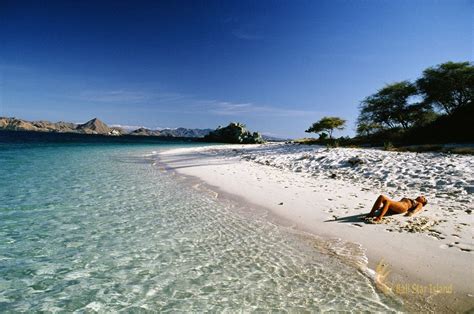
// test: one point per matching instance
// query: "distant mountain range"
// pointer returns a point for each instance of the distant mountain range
(179, 132)
(94, 126)
(269, 138)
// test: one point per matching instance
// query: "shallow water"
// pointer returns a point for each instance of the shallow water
(101, 227)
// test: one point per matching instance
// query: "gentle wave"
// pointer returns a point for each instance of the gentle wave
(100, 228)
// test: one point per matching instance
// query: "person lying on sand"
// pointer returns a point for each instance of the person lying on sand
(405, 205)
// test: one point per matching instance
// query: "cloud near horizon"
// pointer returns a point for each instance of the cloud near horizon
(229, 109)
(188, 104)
(112, 96)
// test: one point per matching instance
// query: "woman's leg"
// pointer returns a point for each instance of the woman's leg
(384, 210)
(380, 200)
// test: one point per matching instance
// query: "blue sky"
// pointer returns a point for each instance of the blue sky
(277, 66)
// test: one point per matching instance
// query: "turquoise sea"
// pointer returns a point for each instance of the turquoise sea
(100, 226)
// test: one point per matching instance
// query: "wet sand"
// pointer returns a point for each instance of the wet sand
(429, 255)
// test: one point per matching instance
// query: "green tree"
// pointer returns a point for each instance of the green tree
(421, 114)
(366, 127)
(327, 124)
(390, 107)
(448, 86)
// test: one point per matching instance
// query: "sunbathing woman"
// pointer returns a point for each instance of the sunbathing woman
(405, 205)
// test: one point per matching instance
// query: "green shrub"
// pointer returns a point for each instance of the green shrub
(388, 146)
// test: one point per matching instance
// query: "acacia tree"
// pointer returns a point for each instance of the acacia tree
(390, 107)
(448, 86)
(387, 107)
(327, 124)
(366, 127)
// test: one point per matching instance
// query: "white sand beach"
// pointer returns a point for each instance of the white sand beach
(315, 189)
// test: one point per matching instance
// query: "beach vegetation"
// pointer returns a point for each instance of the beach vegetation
(392, 106)
(326, 126)
(448, 86)
(436, 108)
(332, 144)
(306, 141)
(388, 146)
(460, 149)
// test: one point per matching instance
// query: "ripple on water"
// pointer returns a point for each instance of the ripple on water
(99, 231)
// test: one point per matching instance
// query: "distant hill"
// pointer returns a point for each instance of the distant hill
(234, 133)
(269, 138)
(13, 124)
(94, 126)
(145, 132)
(179, 132)
(183, 132)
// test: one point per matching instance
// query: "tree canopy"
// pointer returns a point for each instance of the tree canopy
(389, 107)
(406, 106)
(448, 86)
(327, 124)
(392, 107)
(366, 127)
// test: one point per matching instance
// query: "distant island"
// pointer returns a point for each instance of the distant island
(235, 132)
(93, 126)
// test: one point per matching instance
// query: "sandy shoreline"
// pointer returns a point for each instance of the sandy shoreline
(430, 255)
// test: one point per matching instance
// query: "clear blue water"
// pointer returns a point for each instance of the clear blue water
(101, 227)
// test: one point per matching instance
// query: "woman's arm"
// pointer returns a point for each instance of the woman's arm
(418, 207)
